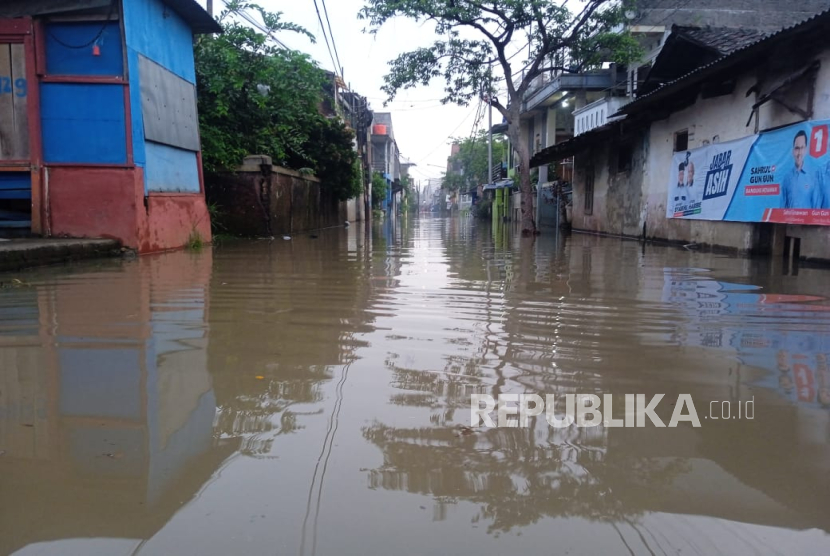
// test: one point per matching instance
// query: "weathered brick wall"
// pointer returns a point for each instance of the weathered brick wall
(252, 204)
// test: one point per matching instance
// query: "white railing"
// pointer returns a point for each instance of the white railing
(596, 114)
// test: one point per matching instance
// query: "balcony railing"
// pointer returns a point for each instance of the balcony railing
(596, 114)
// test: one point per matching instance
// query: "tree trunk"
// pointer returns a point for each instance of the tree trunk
(525, 187)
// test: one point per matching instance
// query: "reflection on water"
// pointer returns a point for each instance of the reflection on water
(309, 397)
(106, 404)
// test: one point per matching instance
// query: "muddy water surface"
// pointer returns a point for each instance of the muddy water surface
(310, 397)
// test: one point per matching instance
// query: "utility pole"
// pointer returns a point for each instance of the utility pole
(489, 139)
(210, 7)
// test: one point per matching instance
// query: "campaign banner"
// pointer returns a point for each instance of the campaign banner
(778, 176)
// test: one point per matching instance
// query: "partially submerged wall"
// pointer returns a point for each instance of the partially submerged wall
(262, 200)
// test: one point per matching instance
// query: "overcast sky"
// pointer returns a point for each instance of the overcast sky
(422, 125)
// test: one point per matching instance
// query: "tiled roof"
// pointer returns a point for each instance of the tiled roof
(725, 40)
(736, 55)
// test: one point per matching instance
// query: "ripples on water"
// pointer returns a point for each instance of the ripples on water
(307, 397)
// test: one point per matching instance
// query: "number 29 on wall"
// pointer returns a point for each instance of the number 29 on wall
(17, 87)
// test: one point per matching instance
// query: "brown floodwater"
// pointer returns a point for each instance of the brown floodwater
(309, 397)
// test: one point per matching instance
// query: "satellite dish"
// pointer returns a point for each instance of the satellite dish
(630, 14)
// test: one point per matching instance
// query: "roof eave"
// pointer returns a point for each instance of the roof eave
(722, 63)
(199, 20)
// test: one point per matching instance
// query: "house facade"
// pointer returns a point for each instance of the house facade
(563, 104)
(386, 158)
(706, 158)
(103, 137)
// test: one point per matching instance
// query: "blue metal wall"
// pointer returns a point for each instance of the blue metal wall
(15, 185)
(83, 123)
(171, 169)
(68, 51)
(158, 33)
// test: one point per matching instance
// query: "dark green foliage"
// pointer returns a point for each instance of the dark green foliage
(482, 209)
(258, 98)
(379, 189)
(473, 162)
(330, 146)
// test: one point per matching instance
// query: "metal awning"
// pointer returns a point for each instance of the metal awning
(567, 149)
(499, 129)
(499, 185)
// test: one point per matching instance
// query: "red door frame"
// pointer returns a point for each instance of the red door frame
(20, 31)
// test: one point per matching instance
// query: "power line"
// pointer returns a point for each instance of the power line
(442, 143)
(326, 37)
(331, 34)
(247, 17)
(478, 118)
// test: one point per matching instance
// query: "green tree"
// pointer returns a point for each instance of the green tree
(258, 98)
(453, 182)
(473, 161)
(246, 105)
(502, 28)
(330, 148)
(379, 189)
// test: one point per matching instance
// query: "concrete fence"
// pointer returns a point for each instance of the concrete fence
(262, 200)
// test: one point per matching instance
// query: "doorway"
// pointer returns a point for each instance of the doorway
(15, 165)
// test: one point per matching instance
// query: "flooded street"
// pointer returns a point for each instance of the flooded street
(312, 397)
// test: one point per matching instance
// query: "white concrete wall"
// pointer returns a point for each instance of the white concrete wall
(551, 138)
(516, 206)
(714, 120)
(538, 130)
(597, 220)
(718, 119)
(815, 240)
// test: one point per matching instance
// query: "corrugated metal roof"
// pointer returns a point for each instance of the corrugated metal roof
(570, 147)
(725, 61)
(195, 15)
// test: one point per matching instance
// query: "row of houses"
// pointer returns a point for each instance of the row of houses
(99, 132)
(99, 128)
(386, 161)
(716, 137)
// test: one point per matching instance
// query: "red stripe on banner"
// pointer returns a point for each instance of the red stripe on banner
(813, 217)
(767, 189)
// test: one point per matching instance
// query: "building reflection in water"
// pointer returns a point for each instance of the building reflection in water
(554, 327)
(106, 403)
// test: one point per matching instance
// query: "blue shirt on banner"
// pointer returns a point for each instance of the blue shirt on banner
(802, 188)
(825, 186)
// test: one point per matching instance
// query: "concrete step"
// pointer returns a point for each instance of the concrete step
(16, 254)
